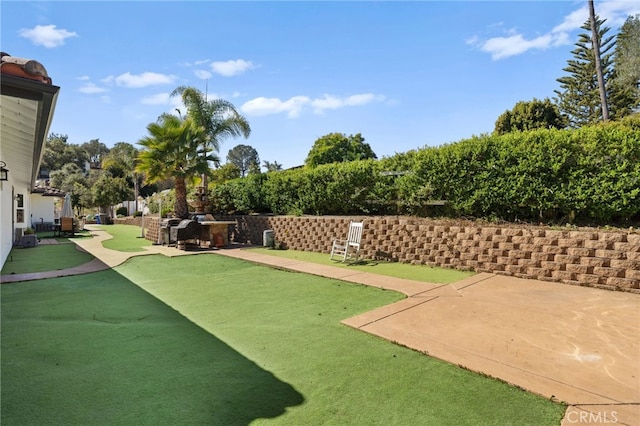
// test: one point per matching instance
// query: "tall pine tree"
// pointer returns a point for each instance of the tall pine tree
(579, 98)
(626, 64)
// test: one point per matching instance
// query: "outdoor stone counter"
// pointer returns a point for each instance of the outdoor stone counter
(591, 257)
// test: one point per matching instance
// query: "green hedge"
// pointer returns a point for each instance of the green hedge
(588, 175)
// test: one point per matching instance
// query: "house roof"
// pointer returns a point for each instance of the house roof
(27, 104)
(48, 191)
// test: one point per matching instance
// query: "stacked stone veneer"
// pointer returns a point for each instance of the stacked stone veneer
(606, 259)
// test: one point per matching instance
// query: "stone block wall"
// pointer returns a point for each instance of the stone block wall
(605, 259)
(151, 225)
(130, 220)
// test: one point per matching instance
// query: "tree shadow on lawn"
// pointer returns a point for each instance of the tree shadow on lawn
(97, 349)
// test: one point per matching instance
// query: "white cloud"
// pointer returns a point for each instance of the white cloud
(157, 99)
(202, 74)
(294, 106)
(231, 68)
(142, 80)
(365, 98)
(327, 102)
(573, 21)
(173, 103)
(91, 88)
(503, 47)
(615, 12)
(334, 102)
(46, 35)
(267, 106)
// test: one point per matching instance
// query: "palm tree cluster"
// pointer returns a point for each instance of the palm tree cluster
(183, 147)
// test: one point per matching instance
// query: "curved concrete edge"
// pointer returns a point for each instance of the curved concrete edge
(92, 266)
(104, 258)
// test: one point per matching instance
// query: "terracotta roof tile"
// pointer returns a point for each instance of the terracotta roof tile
(48, 191)
(25, 68)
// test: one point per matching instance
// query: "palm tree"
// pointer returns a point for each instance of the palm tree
(219, 119)
(173, 150)
(272, 167)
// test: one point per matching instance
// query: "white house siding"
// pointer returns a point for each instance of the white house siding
(10, 225)
(42, 210)
(6, 225)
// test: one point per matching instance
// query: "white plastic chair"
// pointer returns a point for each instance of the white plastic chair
(349, 248)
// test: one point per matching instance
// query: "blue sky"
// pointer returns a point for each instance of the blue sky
(403, 74)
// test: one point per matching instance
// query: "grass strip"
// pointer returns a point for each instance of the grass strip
(126, 238)
(393, 269)
(42, 258)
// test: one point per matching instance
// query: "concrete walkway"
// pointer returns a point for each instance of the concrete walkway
(578, 345)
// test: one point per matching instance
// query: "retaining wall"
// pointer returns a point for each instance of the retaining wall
(592, 257)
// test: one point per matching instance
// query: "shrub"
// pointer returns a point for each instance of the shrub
(121, 211)
(589, 175)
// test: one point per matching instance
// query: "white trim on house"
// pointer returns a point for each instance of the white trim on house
(26, 111)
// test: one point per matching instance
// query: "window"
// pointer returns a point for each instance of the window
(20, 208)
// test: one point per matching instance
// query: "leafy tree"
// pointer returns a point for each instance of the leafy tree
(225, 173)
(627, 67)
(121, 162)
(81, 197)
(95, 150)
(535, 114)
(254, 169)
(337, 147)
(172, 150)
(58, 152)
(65, 178)
(272, 167)
(579, 97)
(244, 157)
(72, 178)
(109, 190)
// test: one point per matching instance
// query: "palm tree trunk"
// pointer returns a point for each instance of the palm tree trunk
(136, 190)
(181, 208)
(595, 40)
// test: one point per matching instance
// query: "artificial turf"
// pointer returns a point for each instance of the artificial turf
(393, 269)
(214, 340)
(126, 238)
(43, 258)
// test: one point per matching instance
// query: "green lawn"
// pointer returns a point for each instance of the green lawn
(393, 269)
(42, 258)
(213, 340)
(127, 238)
